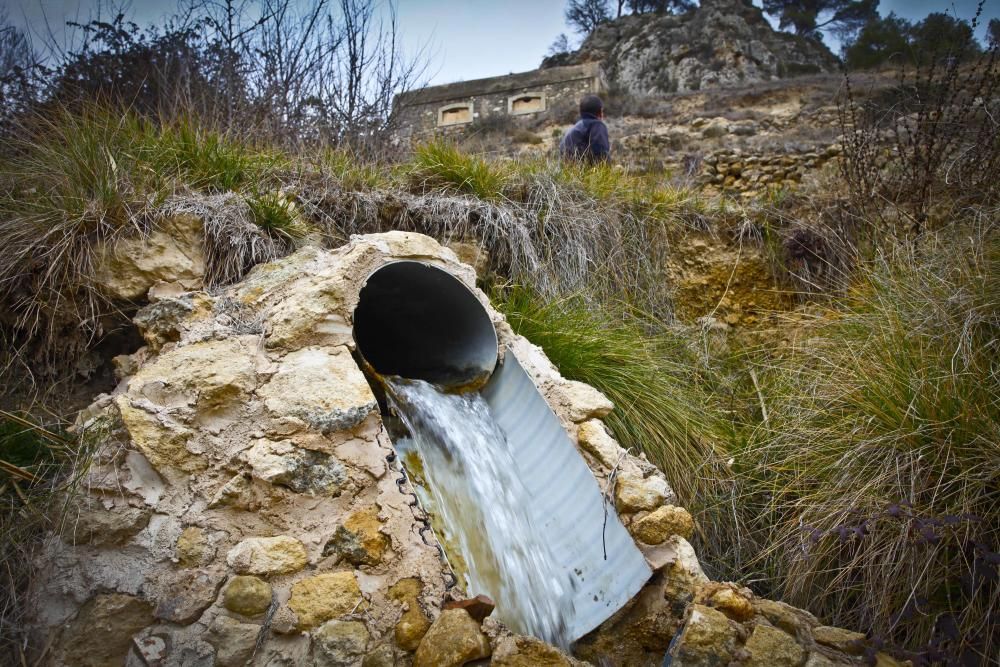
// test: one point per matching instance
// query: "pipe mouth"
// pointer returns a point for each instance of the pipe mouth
(420, 322)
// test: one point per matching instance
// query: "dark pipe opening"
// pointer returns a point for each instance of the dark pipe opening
(420, 322)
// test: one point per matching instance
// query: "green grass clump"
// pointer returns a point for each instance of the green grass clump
(442, 165)
(873, 477)
(661, 406)
(207, 160)
(275, 213)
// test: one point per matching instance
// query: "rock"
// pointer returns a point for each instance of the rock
(819, 660)
(193, 548)
(576, 400)
(215, 377)
(886, 660)
(637, 634)
(163, 321)
(105, 521)
(682, 573)
(172, 252)
(188, 594)
(101, 633)
(284, 621)
(717, 127)
(471, 253)
(724, 43)
(452, 640)
(284, 464)
(248, 596)
(520, 651)
(358, 539)
(339, 643)
(852, 643)
(728, 598)
(708, 638)
(478, 607)
(324, 388)
(635, 494)
(380, 656)
(788, 618)
(771, 647)
(593, 438)
(663, 522)
(412, 624)
(268, 556)
(160, 439)
(324, 597)
(234, 641)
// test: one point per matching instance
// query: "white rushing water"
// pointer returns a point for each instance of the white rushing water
(478, 494)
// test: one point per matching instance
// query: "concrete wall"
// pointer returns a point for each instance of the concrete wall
(517, 98)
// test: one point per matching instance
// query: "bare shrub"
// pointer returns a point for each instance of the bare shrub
(920, 152)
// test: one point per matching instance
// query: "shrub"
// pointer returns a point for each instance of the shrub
(872, 471)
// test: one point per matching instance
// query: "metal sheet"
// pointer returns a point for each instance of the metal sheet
(566, 500)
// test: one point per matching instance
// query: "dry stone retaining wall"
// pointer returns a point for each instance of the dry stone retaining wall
(242, 506)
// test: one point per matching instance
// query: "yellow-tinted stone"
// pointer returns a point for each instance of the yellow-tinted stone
(323, 597)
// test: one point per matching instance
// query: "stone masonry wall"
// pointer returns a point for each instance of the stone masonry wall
(244, 506)
(563, 87)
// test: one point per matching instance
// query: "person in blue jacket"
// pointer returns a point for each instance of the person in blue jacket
(588, 139)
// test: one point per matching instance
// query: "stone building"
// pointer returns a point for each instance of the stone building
(516, 98)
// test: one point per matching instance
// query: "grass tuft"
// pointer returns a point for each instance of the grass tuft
(442, 165)
(651, 375)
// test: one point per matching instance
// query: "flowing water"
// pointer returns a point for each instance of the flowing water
(478, 494)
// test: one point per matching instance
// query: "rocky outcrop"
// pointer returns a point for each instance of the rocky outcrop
(723, 43)
(238, 508)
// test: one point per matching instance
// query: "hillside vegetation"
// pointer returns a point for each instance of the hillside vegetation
(843, 453)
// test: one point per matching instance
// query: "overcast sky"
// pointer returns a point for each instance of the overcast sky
(468, 39)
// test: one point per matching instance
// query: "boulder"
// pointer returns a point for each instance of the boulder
(520, 651)
(101, 633)
(172, 252)
(188, 594)
(852, 643)
(268, 556)
(248, 596)
(282, 463)
(359, 540)
(708, 638)
(454, 639)
(233, 640)
(193, 548)
(661, 523)
(339, 643)
(412, 624)
(324, 597)
(325, 389)
(771, 647)
(636, 494)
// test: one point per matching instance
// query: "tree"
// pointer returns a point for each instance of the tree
(585, 15)
(810, 17)
(559, 46)
(993, 31)
(943, 36)
(880, 40)
(658, 6)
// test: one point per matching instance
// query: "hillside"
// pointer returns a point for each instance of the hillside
(722, 43)
(767, 334)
